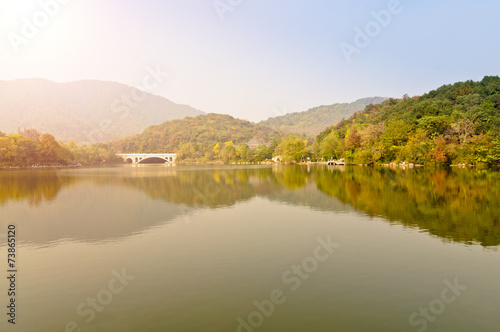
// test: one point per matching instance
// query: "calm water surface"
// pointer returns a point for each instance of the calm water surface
(164, 248)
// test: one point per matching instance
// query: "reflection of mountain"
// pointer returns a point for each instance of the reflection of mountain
(91, 204)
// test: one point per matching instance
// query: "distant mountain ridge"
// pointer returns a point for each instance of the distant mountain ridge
(86, 111)
(315, 120)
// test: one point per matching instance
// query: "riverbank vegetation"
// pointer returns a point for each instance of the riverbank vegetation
(455, 124)
(30, 148)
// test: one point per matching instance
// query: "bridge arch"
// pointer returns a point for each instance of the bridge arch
(148, 158)
(152, 160)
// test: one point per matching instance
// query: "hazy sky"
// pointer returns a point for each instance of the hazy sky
(254, 59)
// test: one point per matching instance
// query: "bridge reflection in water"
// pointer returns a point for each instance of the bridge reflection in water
(137, 158)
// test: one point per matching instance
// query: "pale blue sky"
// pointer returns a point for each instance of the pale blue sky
(265, 58)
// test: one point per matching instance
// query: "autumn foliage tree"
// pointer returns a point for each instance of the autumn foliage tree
(49, 148)
(439, 153)
(30, 133)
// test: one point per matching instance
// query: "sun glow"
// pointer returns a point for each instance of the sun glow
(12, 12)
(34, 26)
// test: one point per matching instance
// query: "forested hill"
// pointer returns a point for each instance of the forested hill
(83, 111)
(458, 123)
(203, 138)
(317, 119)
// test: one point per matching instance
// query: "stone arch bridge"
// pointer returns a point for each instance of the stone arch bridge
(138, 158)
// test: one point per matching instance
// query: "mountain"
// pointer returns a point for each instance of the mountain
(315, 120)
(83, 111)
(197, 137)
(454, 124)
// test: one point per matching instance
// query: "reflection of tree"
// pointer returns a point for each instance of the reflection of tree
(210, 188)
(34, 187)
(458, 204)
(292, 177)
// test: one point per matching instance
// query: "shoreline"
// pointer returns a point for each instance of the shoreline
(220, 163)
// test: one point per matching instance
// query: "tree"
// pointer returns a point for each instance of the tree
(394, 139)
(7, 149)
(216, 149)
(396, 133)
(28, 151)
(292, 148)
(244, 152)
(439, 154)
(372, 134)
(262, 153)
(331, 146)
(228, 153)
(434, 125)
(49, 148)
(463, 129)
(417, 148)
(30, 133)
(352, 139)
(274, 143)
(488, 150)
(494, 154)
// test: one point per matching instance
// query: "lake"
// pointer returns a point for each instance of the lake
(252, 248)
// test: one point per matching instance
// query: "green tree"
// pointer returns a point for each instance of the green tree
(396, 133)
(228, 153)
(331, 146)
(488, 150)
(262, 153)
(417, 148)
(244, 152)
(7, 150)
(292, 149)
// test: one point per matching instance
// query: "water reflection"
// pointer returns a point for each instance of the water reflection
(458, 204)
(461, 205)
(33, 187)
